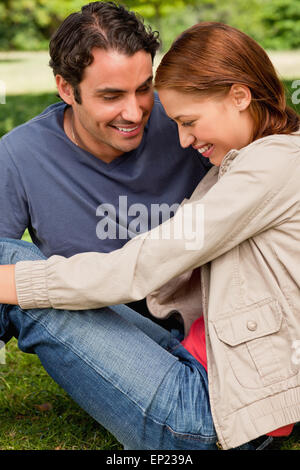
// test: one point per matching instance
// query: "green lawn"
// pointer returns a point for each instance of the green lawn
(24, 385)
(26, 72)
(36, 414)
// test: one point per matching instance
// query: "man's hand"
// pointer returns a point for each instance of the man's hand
(8, 293)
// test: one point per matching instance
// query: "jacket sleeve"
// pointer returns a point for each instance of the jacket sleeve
(13, 201)
(252, 196)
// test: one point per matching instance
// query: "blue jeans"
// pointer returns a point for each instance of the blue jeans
(128, 373)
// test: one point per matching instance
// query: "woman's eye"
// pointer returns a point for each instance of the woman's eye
(187, 124)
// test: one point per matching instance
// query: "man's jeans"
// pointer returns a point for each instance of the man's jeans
(127, 372)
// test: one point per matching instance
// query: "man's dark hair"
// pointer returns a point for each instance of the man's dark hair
(105, 25)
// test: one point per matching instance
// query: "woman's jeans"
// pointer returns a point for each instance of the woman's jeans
(127, 372)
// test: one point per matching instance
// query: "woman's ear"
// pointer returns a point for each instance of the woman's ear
(241, 96)
(64, 89)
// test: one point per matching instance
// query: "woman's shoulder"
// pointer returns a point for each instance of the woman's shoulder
(272, 150)
(271, 160)
(276, 142)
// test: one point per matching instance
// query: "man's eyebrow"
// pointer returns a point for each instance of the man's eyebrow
(147, 82)
(117, 90)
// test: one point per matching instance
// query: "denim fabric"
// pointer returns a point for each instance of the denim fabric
(130, 374)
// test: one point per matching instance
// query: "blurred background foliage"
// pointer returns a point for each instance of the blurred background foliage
(275, 24)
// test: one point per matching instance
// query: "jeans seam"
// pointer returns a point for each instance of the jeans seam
(184, 435)
(192, 437)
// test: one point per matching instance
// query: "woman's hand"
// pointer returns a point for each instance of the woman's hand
(8, 294)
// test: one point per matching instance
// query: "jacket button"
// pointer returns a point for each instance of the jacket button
(251, 325)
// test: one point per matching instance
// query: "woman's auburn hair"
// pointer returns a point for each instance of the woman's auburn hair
(210, 57)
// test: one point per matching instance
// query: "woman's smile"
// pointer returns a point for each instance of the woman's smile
(205, 150)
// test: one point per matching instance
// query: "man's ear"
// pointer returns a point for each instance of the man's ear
(65, 90)
(241, 96)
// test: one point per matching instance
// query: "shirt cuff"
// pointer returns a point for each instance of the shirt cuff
(31, 284)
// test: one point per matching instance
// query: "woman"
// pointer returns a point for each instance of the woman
(231, 252)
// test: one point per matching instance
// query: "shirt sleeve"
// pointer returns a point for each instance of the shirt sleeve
(13, 202)
(252, 196)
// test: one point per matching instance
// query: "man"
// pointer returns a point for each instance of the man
(91, 172)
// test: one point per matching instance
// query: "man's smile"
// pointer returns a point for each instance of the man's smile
(126, 130)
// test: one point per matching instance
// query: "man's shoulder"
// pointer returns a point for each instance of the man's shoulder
(160, 125)
(158, 114)
(29, 138)
(51, 110)
(47, 118)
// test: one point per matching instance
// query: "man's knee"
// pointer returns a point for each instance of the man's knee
(12, 251)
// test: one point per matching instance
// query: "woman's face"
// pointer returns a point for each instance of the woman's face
(211, 124)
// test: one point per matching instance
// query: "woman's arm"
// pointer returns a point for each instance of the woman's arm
(251, 197)
(8, 294)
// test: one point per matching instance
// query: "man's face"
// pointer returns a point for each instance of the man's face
(116, 102)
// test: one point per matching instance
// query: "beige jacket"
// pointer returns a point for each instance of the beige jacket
(248, 286)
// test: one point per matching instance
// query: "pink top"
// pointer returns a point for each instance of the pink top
(195, 341)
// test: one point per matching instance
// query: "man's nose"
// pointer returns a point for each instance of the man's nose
(133, 111)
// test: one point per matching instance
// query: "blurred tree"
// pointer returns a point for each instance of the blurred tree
(161, 13)
(245, 15)
(281, 21)
(157, 9)
(28, 24)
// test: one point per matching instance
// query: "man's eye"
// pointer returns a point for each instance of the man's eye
(110, 98)
(144, 89)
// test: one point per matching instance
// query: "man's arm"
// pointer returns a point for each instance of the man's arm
(14, 216)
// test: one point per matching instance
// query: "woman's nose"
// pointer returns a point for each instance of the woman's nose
(186, 138)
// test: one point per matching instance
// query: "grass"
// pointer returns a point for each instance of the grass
(36, 414)
(26, 72)
(24, 385)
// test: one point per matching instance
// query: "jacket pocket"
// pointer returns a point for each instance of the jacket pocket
(258, 344)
